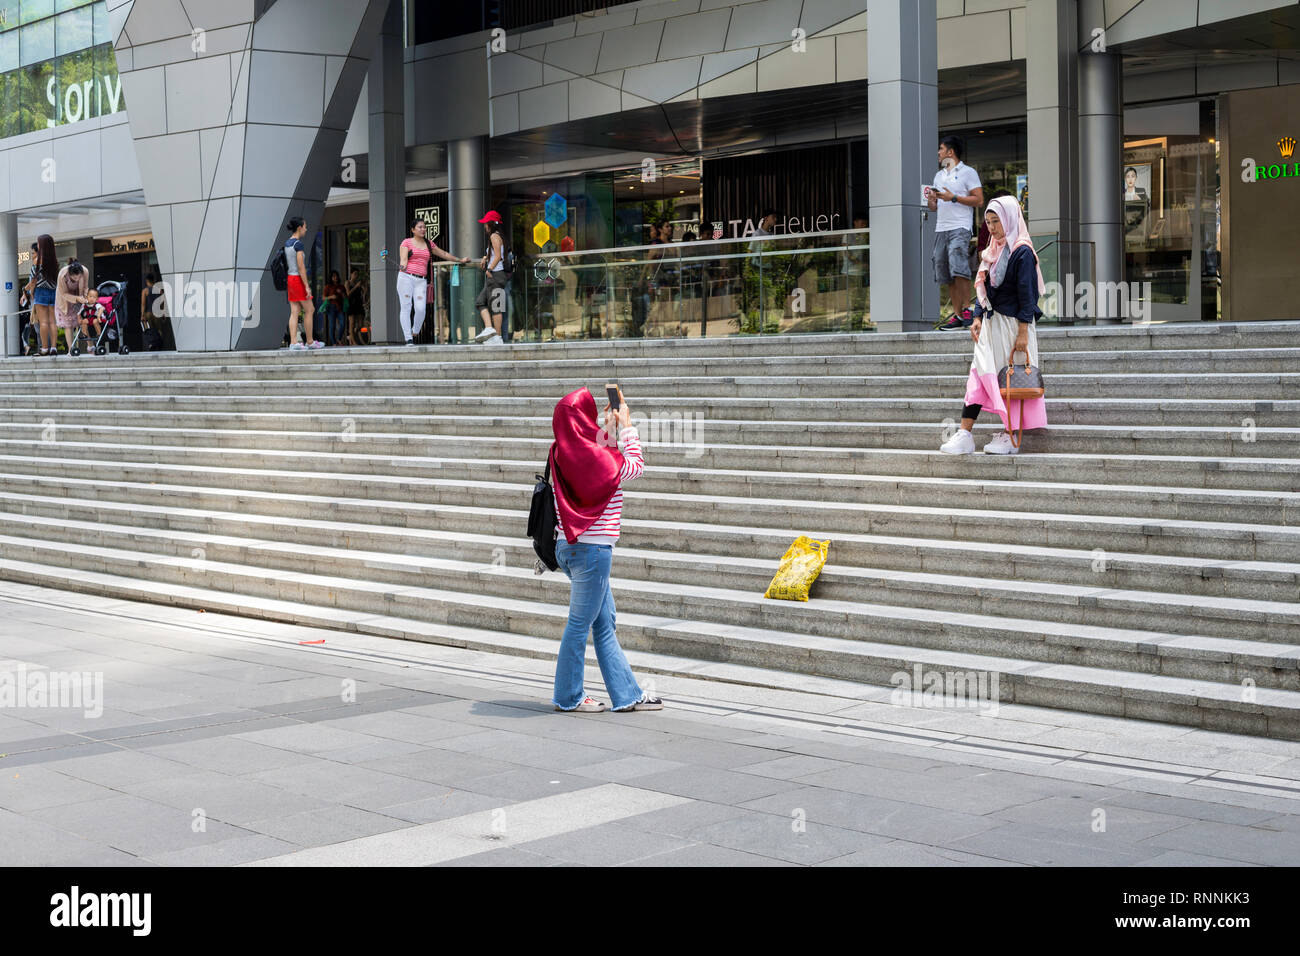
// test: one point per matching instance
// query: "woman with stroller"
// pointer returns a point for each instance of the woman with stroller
(44, 276)
(587, 476)
(72, 292)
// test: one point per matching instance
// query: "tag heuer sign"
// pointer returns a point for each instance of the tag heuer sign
(432, 216)
(717, 230)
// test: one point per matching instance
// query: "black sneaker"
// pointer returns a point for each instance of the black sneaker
(958, 322)
(645, 703)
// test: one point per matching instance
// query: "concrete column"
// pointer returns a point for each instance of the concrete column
(86, 255)
(1101, 217)
(387, 163)
(9, 281)
(903, 130)
(467, 200)
(1052, 108)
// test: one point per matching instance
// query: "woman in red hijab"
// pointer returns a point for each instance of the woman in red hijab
(588, 469)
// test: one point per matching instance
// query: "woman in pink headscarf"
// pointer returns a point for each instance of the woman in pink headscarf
(1007, 288)
(588, 468)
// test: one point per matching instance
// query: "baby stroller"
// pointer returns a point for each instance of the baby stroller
(111, 312)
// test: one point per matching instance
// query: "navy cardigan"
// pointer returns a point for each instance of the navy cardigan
(1018, 294)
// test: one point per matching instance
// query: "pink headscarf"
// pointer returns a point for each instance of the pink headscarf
(1015, 232)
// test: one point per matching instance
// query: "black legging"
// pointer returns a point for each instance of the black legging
(971, 411)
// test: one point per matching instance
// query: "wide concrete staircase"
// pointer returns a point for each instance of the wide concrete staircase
(1140, 558)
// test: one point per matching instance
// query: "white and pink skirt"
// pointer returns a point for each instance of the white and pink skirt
(997, 336)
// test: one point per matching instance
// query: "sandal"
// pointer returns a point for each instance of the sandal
(588, 706)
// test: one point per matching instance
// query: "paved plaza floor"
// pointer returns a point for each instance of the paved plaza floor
(225, 741)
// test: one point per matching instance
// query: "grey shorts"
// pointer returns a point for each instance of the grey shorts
(951, 255)
(487, 297)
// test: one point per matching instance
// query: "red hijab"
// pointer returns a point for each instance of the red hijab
(584, 466)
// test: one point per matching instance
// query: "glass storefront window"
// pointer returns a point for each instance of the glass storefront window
(35, 9)
(783, 284)
(101, 24)
(36, 42)
(32, 112)
(65, 89)
(56, 64)
(79, 96)
(9, 59)
(9, 100)
(1169, 180)
(74, 30)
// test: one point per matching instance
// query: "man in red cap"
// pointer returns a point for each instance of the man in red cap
(491, 301)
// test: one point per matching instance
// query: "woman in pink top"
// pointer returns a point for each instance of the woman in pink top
(413, 279)
(71, 292)
(587, 474)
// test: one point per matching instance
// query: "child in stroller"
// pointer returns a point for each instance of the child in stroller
(99, 320)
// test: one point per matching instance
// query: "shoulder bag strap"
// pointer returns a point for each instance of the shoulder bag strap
(1006, 399)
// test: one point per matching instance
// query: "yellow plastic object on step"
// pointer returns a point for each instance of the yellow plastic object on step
(800, 566)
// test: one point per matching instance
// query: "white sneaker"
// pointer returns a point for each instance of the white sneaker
(961, 443)
(297, 347)
(485, 334)
(1001, 445)
(495, 340)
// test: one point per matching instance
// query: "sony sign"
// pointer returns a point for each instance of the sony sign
(84, 100)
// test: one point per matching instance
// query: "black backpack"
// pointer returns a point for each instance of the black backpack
(152, 340)
(280, 271)
(541, 520)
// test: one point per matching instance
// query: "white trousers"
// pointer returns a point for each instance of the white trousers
(410, 294)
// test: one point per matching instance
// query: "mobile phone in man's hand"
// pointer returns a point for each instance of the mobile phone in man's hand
(612, 393)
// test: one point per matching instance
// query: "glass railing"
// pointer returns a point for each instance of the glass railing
(452, 316)
(1066, 264)
(815, 282)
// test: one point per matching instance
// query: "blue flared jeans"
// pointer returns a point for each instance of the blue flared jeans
(591, 609)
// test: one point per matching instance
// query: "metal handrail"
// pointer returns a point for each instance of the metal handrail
(710, 242)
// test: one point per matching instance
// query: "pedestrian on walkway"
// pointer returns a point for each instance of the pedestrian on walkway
(299, 291)
(356, 298)
(491, 301)
(587, 473)
(414, 277)
(1007, 288)
(954, 197)
(334, 296)
(41, 285)
(71, 292)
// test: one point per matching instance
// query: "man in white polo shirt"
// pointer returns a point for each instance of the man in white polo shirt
(955, 195)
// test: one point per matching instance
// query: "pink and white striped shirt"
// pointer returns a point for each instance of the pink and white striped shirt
(605, 530)
(417, 261)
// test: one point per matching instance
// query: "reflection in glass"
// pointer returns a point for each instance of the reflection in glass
(36, 42)
(805, 283)
(9, 51)
(35, 9)
(74, 30)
